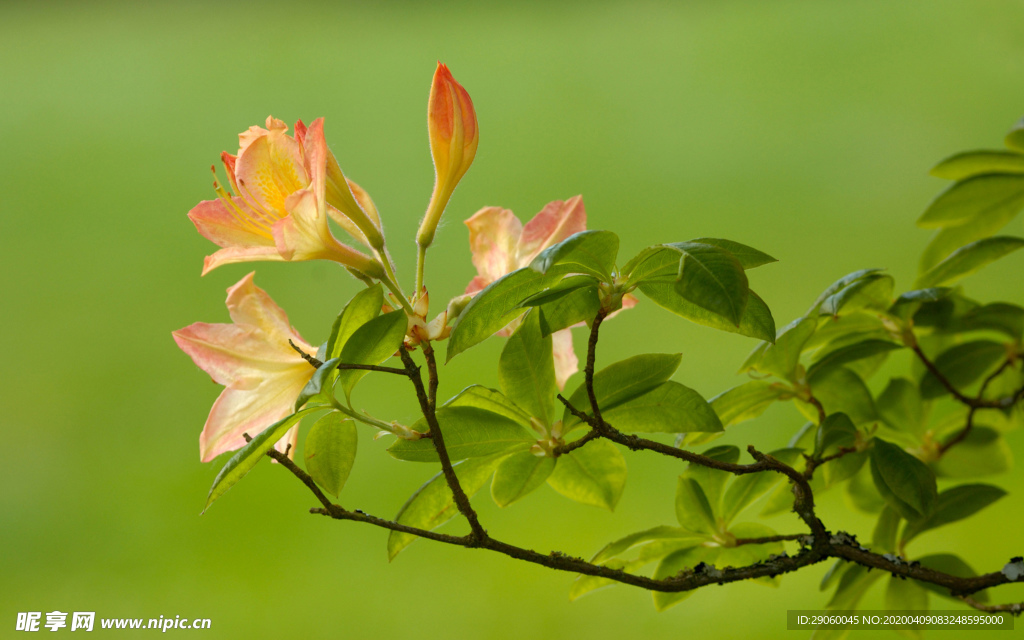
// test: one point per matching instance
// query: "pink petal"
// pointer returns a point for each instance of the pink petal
(269, 169)
(249, 305)
(250, 411)
(477, 284)
(314, 147)
(233, 255)
(493, 235)
(556, 221)
(566, 362)
(216, 222)
(235, 356)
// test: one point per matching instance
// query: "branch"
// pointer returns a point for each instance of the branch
(1014, 608)
(975, 403)
(427, 408)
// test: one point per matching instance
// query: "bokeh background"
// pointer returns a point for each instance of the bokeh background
(803, 128)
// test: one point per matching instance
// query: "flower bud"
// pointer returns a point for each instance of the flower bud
(454, 135)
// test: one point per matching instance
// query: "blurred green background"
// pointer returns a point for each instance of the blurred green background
(803, 128)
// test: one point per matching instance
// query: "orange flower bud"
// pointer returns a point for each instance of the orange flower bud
(454, 135)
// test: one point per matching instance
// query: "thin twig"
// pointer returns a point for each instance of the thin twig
(1014, 608)
(767, 539)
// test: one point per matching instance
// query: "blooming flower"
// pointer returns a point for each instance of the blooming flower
(501, 244)
(454, 135)
(286, 189)
(262, 374)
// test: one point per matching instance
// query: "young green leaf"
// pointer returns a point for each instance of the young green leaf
(713, 279)
(746, 402)
(853, 584)
(497, 305)
(490, 400)
(906, 595)
(526, 370)
(578, 306)
(961, 365)
(968, 259)
(362, 308)
(433, 504)
(905, 482)
(984, 452)
(974, 163)
(588, 252)
(330, 451)
(712, 481)
(672, 565)
(372, 343)
(835, 432)
(246, 458)
(560, 290)
(654, 264)
(873, 291)
(594, 475)
(320, 383)
(749, 257)
(668, 408)
(781, 359)
(757, 321)
(884, 536)
(841, 390)
(746, 489)
(953, 565)
(633, 540)
(978, 195)
(838, 286)
(900, 406)
(1001, 317)
(954, 504)
(847, 354)
(622, 381)
(518, 475)
(584, 584)
(693, 509)
(469, 432)
(946, 241)
(907, 304)
(862, 494)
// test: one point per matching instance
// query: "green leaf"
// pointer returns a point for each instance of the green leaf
(526, 370)
(497, 305)
(905, 482)
(433, 503)
(853, 584)
(746, 489)
(1004, 318)
(873, 291)
(622, 381)
(757, 321)
(884, 536)
(578, 306)
(1015, 138)
(319, 384)
(675, 563)
(968, 259)
(749, 257)
(713, 279)
(589, 252)
(372, 343)
(861, 492)
(972, 163)
(668, 408)
(654, 264)
(962, 365)
(746, 401)
(330, 451)
(906, 595)
(954, 504)
(979, 195)
(907, 304)
(583, 584)
(781, 359)
(557, 292)
(633, 540)
(469, 432)
(490, 400)
(835, 432)
(900, 406)
(712, 481)
(362, 308)
(984, 452)
(841, 390)
(518, 475)
(693, 510)
(844, 355)
(594, 475)
(838, 286)
(247, 457)
(749, 554)
(953, 565)
(946, 241)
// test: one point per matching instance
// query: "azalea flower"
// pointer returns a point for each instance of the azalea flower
(286, 188)
(454, 136)
(262, 374)
(501, 244)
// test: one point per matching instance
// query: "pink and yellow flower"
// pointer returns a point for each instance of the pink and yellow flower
(262, 374)
(454, 136)
(285, 190)
(501, 244)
